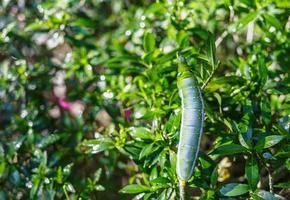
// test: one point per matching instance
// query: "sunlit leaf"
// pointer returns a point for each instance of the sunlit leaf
(234, 189)
(132, 189)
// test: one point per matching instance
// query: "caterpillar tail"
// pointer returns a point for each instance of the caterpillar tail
(182, 185)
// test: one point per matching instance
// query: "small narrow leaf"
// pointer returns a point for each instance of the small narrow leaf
(247, 19)
(124, 58)
(263, 71)
(161, 181)
(211, 49)
(146, 150)
(134, 188)
(271, 19)
(283, 185)
(98, 145)
(252, 172)
(228, 149)
(214, 177)
(172, 159)
(149, 42)
(166, 57)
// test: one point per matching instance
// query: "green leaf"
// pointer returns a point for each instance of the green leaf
(84, 22)
(146, 196)
(98, 174)
(247, 19)
(124, 58)
(252, 172)
(271, 19)
(266, 110)
(100, 188)
(228, 149)
(269, 141)
(161, 181)
(283, 3)
(172, 159)
(283, 124)
(173, 123)
(243, 141)
(146, 150)
(200, 32)
(162, 196)
(285, 185)
(98, 141)
(205, 160)
(134, 188)
(182, 39)
(263, 71)
(214, 177)
(2, 168)
(140, 133)
(219, 99)
(211, 49)
(131, 70)
(234, 189)
(153, 173)
(48, 140)
(166, 57)
(36, 26)
(149, 42)
(156, 8)
(162, 159)
(255, 197)
(99, 145)
(14, 177)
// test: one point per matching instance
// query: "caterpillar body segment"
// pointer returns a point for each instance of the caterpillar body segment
(191, 122)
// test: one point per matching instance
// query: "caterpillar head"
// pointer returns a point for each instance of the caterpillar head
(183, 67)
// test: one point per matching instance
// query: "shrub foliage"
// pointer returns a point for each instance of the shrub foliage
(90, 108)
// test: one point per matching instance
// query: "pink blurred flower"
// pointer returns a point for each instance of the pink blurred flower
(64, 104)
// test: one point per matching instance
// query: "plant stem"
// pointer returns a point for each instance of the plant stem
(221, 38)
(250, 32)
(270, 178)
(182, 185)
(210, 76)
(65, 192)
(207, 80)
(270, 181)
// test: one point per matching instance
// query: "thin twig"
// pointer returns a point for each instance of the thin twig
(226, 32)
(276, 176)
(210, 76)
(182, 185)
(207, 81)
(65, 192)
(250, 32)
(221, 38)
(170, 194)
(270, 178)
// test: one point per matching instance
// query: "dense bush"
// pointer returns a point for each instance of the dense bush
(90, 107)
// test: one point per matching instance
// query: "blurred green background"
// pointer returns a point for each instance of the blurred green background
(89, 102)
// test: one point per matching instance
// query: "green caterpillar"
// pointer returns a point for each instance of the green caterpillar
(191, 122)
